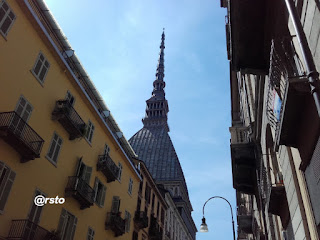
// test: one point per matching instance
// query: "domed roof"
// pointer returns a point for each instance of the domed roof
(154, 146)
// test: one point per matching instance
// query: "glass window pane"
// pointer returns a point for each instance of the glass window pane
(42, 73)
(2, 13)
(52, 147)
(5, 26)
(37, 67)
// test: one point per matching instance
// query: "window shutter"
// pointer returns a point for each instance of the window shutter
(6, 190)
(79, 167)
(62, 220)
(115, 205)
(35, 211)
(103, 196)
(87, 174)
(75, 220)
(128, 221)
(96, 184)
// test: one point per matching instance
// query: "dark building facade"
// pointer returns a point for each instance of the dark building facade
(274, 52)
(153, 145)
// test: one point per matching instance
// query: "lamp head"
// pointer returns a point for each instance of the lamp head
(203, 226)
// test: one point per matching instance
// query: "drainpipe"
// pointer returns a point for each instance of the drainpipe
(312, 74)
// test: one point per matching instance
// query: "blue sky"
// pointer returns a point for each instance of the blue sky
(118, 44)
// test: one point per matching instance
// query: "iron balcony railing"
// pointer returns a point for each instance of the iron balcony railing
(141, 219)
(285, 67)
(81, 191)
(264, 184)
(107, 167)
(17, 133)
(69, 118)
(115, 223)
(26, 230)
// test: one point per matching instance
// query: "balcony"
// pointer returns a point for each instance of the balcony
(247, 26)
(107, 167)
(115, 223)
(27, 230)
(243, 161)
(141, 219)
(155, 231)
(278, 204)
(81, 191)
(17, 133)
(289, 100)
(69, 119)
(244, 219)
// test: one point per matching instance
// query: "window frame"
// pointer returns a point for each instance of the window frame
(120, 172)
(36, 75)
(127, 218)
(90, 234)
(90, 128)
(130, 187)
(8, 179)
(51, 142)
(100, 202)
(68, 95)
(63, 224)
(6, 15)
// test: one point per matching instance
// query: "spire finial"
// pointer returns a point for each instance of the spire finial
(157, 105)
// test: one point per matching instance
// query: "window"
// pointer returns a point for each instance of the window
(147, 193)
(115, 204)
(24, 109)
(90, 130)
(90, 235)
(35, 211)
(139, 204)
(162, 215)
(41, 68)
(70, 98)
(127, 219)
(158, 208)
(106, 150)
(54, 148)
(141, 184)
(7, 177)
(100, 192)
(120, 172)
(130, 186)
(83, 171)
(23, 112)
(7, 18)
(152, 203)
(67, 225)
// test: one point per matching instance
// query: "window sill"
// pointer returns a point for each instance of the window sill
(52, 162)
(40, 82)
(5, 38)
(90, 144)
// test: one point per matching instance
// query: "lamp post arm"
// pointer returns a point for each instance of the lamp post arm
(233, 230)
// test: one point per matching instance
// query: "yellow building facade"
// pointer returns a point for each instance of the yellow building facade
(149, 220)
(57, 138)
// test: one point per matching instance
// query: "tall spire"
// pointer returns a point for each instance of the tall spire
(157, 106)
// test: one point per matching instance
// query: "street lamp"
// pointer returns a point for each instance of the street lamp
(204, 226)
